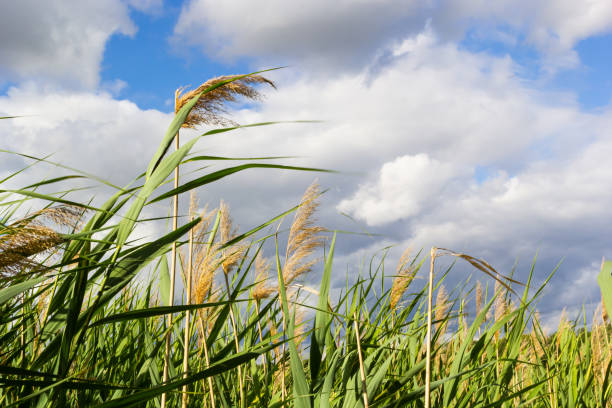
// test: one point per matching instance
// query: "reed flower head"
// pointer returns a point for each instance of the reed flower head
(501, 306)
(231, 255)
(211, 105)
(262, 268)
(479, 297)
(304, 237)
(442, 306)
(30, 236)
(404, 275)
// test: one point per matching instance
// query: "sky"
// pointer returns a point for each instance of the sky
(483, 127)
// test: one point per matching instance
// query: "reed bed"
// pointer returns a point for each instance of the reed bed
(85, 312)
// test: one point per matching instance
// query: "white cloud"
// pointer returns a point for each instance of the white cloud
(347, 35)
(403, 186)
(59, 41)
(93, 132)
(341, 34)
(552, 26)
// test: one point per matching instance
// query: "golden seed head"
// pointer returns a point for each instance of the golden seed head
(304, 237)
(210, 105)
(262, 290)
(479, 297)
(403, 277)
(501, 308)
(442, 306)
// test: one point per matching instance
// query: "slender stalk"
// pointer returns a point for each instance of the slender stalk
(364, 387)
(172, 275)
(233, 321)
(187, 318)
(263, 356)
(428, 339)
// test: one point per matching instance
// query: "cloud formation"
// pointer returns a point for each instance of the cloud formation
(61, 41)
(347, 35)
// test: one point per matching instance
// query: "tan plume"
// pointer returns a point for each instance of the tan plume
(304, 237)
(211, 105)
(404, 275)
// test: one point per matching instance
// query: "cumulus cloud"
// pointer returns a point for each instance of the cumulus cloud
(341, 34)
(93, 132)
(553, 27)
(60, 41)
(403, 186)
(347, 35)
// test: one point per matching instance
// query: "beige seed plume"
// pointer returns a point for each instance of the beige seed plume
(262, 268)
(231, 255)
(211, 105)
(30, 236)
(501, 307)
(441, 310)
(404, 275)
(304, 237)
(478, 297)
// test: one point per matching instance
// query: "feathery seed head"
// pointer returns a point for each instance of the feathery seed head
(403, 277)
(210, 106)
(262, 290)
(478, 297)
(441, 309)
(304, 237)
(30, 236)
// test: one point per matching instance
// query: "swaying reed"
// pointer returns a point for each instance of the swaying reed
(442, 306)
(304, 237)
(212, 104)
(30, 236)
(404, 274)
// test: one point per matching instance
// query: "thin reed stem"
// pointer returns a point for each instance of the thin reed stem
(172, 274)
(187, 317)
(428, 338)
(233, 321)
(364, 387)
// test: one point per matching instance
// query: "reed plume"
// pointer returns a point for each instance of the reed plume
(479, 297)
(210, 106)
(304, 237)
(501, 306)
(30, 236)
(404, 275)
(262, 289)
(442, 307)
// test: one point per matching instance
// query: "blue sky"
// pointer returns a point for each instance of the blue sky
(479, 126)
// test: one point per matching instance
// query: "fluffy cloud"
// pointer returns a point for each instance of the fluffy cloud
(93, 132)
(552, 26)
(60, 41)
(341, 34)
(403, 186)
(349, 35)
